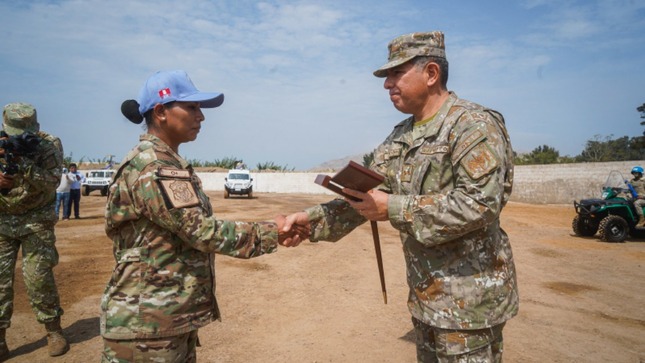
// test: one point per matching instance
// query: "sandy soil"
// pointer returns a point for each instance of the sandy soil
(582, 300)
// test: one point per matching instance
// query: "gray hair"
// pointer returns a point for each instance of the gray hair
(421, 61)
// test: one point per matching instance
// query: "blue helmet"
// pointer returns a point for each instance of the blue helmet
(637, 169)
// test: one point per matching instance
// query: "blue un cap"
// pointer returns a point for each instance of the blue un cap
(169, 86)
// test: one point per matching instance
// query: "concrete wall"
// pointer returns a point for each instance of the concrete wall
(538, 184)
(562, 183)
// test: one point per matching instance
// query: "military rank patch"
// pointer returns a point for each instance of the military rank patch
(480, 161)
(434, 149)
(177, 187)
(406, 173)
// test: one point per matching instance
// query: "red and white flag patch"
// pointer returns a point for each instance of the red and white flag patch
(164, 93)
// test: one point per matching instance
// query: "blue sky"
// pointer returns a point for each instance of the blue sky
(297, 75)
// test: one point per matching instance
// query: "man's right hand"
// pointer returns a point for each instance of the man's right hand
(293, 229)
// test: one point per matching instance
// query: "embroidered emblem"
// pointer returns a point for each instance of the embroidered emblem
(177, 186)
(464, 146)
(480, 161)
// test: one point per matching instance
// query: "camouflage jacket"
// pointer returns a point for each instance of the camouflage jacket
(29, 205)
(639, 186)
(164, 235)
(449, 180)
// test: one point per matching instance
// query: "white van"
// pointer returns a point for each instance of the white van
(238, 181)
(97, 180)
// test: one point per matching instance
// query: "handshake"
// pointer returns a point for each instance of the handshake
(293, 229)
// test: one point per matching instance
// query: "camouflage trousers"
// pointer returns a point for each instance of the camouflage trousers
(458, 346)
(639, 204)
(177, 349)
(39, 256)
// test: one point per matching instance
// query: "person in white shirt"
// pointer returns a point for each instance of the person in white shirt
(74, 191)
(62, 194)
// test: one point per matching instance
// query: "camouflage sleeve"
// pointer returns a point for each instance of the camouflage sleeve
(44, 171)
(198, 228)
(333, 220)
(475, 200)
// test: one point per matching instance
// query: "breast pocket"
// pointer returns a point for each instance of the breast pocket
(433, 170)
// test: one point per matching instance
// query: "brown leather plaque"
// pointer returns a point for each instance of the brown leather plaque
(352, 176)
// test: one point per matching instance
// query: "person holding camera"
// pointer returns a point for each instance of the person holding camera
(27, 220)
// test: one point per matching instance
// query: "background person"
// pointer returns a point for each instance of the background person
(639, 187)
(27, 221)
(164, 232)
(75, 192)
(62, 194)
(448, 174)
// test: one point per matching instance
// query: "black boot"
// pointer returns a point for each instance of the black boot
(4, 350)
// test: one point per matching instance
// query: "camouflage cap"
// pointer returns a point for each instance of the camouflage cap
(18, 118)
(408, 46)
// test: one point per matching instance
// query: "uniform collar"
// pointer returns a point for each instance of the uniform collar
(431, 128)
(160, 146)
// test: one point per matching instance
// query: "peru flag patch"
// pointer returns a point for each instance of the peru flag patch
(164, 93)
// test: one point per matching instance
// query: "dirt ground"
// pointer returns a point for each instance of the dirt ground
(582, 300)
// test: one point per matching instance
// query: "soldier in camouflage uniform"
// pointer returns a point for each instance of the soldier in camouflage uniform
(165, 234)
(27, 220)
(448, 174)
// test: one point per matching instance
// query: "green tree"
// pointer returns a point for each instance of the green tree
(544, 154)
(68, 159)
(610, 149)
(641, 109)
(368, 159)
(270, 165)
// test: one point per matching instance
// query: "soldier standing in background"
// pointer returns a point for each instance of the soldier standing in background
(27, 220)
(448, 173)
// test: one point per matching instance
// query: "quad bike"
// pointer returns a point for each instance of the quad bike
(613, 216)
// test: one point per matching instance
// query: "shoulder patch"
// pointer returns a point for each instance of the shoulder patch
(467, 144)
(481, 160)
(177, 186)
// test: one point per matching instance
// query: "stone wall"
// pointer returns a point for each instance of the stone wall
(538, 184)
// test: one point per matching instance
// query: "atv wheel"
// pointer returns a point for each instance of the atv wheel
(584, 226)
(86, 190)
(613, 229)
(250, 195)
(226, 194)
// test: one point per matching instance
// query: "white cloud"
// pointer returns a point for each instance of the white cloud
(297, 74)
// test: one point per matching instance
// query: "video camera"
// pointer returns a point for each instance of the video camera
(25, 145)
